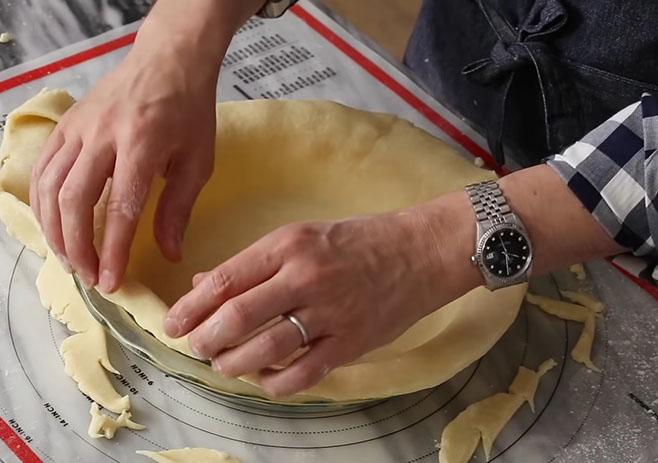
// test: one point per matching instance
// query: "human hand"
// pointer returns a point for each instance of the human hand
(148, 117)
(153, 115)
(354, 284)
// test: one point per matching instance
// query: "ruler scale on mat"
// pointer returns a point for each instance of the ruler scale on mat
(581, 416)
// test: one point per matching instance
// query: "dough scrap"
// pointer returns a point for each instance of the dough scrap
(485, 419)
(85, 353)
(268, 173)
(105, 426)
(585, 299)
(526, 382)
(26, 131)
(560, 309)
(188, 455)
(21, 223)
(5, 37)
(582, 351)
(579, 271)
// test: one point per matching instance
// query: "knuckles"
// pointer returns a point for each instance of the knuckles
(68, 198)
(298, 237)
(221, 283)
(239, 316)
(269, 345)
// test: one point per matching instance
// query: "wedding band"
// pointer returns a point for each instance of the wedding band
(300, 326)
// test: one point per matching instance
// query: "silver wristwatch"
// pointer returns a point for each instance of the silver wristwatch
(275, 8)
(503, 251)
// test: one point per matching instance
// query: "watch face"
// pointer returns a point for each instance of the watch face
(506, 253)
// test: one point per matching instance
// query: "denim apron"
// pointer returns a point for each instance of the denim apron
(536, 75)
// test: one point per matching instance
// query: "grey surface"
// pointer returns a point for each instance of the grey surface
(41, 26)
(581, 416)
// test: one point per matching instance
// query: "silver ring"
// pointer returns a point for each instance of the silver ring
(300, 326)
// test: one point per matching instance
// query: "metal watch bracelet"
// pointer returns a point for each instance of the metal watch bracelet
(489, 204)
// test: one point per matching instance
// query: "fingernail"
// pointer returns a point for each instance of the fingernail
(173, 328)
(217, 367)
(66, 265)
(88, 279)
(107, 281)
(197, 353)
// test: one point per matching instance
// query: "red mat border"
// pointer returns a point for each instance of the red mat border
(16, 444)
(67, 62)
(10, 438)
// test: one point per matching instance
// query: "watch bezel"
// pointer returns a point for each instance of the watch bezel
(493, 280)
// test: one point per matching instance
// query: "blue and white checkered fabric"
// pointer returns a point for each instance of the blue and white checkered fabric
(614, 172)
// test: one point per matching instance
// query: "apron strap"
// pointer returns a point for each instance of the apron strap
(522, 47)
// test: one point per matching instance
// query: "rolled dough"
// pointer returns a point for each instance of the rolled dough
(284, 161)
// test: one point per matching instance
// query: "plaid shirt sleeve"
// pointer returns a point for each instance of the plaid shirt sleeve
(614, 173)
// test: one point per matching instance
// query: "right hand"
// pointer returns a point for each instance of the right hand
(152, 115)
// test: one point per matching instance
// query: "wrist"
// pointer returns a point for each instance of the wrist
(448, 228)
(194, 34)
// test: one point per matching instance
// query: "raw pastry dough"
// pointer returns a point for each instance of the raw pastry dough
(485, 419)
(280, 162)
(26, 131)
(582, 351)
(106, 426)
(21, 223)
(269, 174)
(579, 271)
(560, 309)
(188, 455)
(585, 299)
(85, 354)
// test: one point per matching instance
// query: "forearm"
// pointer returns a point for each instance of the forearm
(193, 33)
(562, 231)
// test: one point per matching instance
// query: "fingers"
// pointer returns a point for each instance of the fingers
(240, 316)
(52, 146)
(324, 355)
(271, 347)
(237, 275)
(196, 279)
(77, 197)
(184, 184)
(47, 192)
(128, 192)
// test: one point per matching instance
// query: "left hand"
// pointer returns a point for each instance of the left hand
(354, 284)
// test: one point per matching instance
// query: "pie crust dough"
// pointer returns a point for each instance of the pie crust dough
(485, 419)
(579, 271)
(587, 315)
(585, 299)
(105, 426)
(277, 162)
